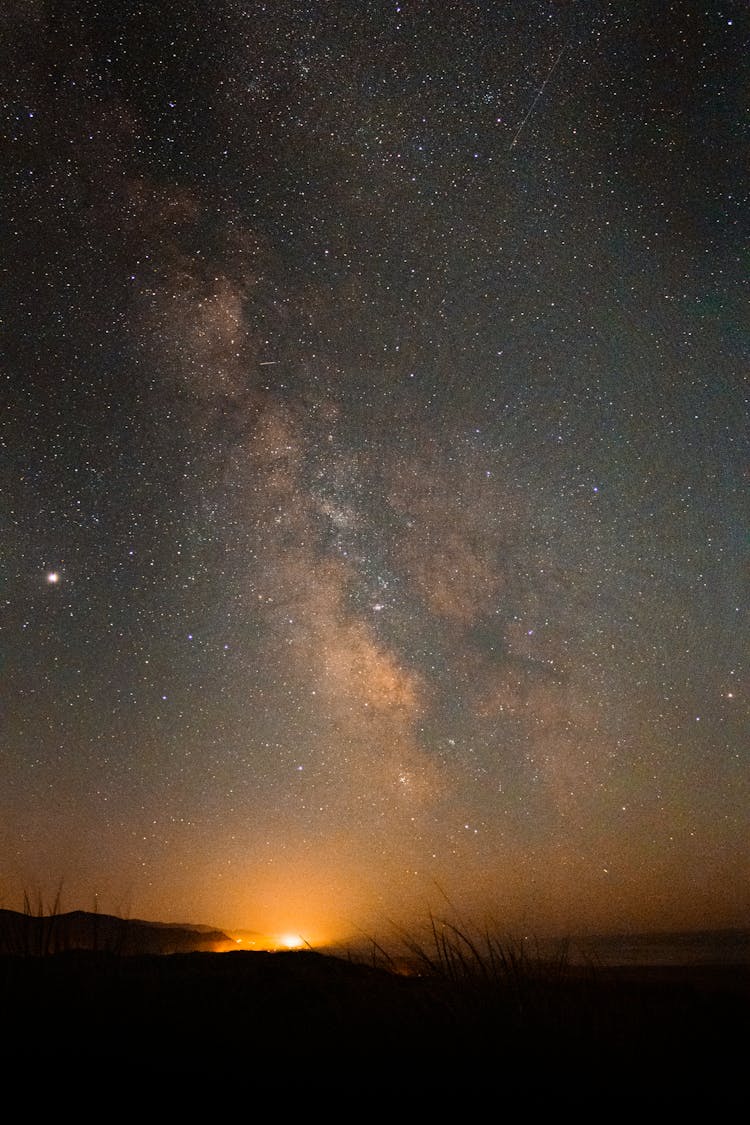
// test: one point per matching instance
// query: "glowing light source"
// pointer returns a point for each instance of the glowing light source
(53, 577)
(291, 941)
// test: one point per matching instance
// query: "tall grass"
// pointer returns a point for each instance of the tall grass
(497, 992)
(39, 928)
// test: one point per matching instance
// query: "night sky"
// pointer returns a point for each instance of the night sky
(374, 462)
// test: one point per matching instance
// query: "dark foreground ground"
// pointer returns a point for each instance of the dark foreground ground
(290, 1023)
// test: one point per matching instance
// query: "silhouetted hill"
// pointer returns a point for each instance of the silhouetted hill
(36, 935)
(500, 1023)
(270, 1020)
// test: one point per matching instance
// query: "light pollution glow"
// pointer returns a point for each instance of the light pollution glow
(387, 439)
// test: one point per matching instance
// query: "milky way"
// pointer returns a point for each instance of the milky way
(374, 463)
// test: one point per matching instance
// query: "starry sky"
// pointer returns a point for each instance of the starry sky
(374, 457)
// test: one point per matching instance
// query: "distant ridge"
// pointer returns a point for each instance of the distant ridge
(38, 935)
(668, 947)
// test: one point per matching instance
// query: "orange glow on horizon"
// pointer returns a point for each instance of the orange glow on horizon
(292, 941)
(269, 943)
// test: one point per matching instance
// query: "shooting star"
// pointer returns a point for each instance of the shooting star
(540, 91)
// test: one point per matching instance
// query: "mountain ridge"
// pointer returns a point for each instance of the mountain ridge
(37, 934)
